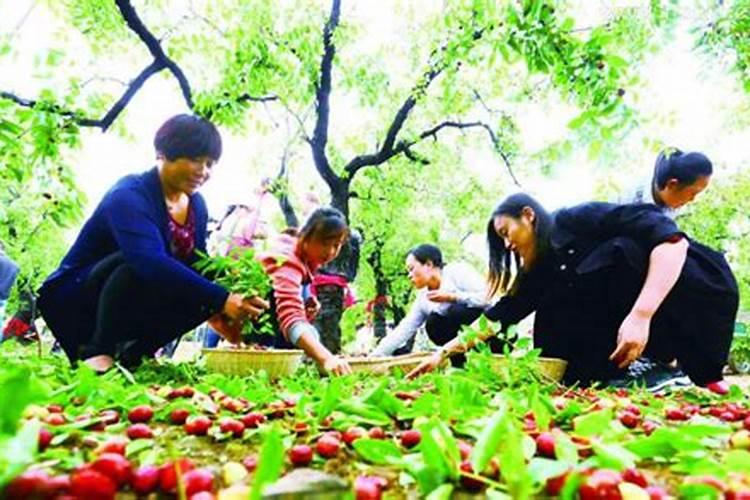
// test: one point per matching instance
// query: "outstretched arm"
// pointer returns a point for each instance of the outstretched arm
(664, 268)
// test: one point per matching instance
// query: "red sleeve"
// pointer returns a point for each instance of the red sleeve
(287, 289)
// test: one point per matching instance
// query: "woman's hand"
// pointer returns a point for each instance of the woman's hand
(237, 307)
(336, 365)
(426, 366)
(631, 339)
(440, 296)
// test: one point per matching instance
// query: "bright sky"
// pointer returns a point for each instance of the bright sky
(695, 101)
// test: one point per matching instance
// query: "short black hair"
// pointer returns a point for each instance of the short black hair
(188, 136)
(685, 167)
(426, 252)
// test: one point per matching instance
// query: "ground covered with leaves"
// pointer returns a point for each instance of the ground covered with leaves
(173, 430)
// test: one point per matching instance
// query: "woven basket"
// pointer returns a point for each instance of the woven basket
(550, 368)
(276, 362)
(383, 365)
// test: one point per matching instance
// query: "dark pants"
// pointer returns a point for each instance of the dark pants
(328, 321)
(694, 324)
(442, 328)
(119, 313)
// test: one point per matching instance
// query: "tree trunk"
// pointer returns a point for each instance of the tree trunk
(381, 292)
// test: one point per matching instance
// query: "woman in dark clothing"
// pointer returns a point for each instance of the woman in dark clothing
(609, 283)
(126, 287)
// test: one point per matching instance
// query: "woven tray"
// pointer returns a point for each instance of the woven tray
(276, 362)
(550, 368)
(382, 365)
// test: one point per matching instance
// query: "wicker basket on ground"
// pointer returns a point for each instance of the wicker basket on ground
(382, 365)
(550, 368)
(276, 362)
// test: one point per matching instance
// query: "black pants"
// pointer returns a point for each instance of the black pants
(694, 324)
(442, 328)
(119, 314)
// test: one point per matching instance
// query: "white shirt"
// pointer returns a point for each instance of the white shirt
(459, 279)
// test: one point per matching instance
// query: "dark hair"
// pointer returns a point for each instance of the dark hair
(324, 223)
(685, 167)
(426, 252)
(499, 256)
(188, 136)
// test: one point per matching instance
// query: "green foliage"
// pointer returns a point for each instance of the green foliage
(39, 198)
(728, 32)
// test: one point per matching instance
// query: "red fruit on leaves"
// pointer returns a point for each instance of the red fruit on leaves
(114, 466)
(197, 426)
(657, 493)
(88, 483)
(677, 414)
(352, 434)
(45, 437)
(630, 420)
(30, 484)
(253, 420)
(140, 414)
(231, 425)
(139, 431)
(746, 423)
(368, 488)
(179, 416)
(411, 438)
(168, 474)
(545, 445)
(58, 486)
(300, 455)
(145, 479)
(114, 445)
(203, 495)
(251, 462)
(470, 483)
(464, 449)
(634, 476)
(198, 480)
(301, 427)
(327, 446)
(376, 433)
(649, 426)
(602, 484)
(554, 485)
(55, 419)
(54, 408)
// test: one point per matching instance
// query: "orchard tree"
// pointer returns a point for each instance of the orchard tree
(454, 70)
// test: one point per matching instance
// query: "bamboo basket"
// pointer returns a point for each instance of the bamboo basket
(276, 362)
(550, 368)
(383, 365)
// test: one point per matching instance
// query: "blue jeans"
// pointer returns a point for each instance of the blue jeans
(207, 336)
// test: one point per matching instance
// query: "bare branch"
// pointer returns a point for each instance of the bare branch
(319, 139)
(106, 121)
(136, 25)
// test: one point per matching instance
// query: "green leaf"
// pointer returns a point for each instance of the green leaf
(18, 451)
(378, 451)
(566, 451)
(738, 461)
(19, 389)
(270, 462)
(613, 456)
(593, 423)
(443, 492)
(490, 439)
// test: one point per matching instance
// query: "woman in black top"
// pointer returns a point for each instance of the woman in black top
(608, 284)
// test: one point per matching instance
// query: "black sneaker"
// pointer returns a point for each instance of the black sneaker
(653, 376)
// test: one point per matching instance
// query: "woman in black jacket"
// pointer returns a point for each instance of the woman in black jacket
(609, 283)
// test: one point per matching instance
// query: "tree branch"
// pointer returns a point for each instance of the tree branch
(387, 151)
(136, 25)
(319, 139)
(106, 121)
